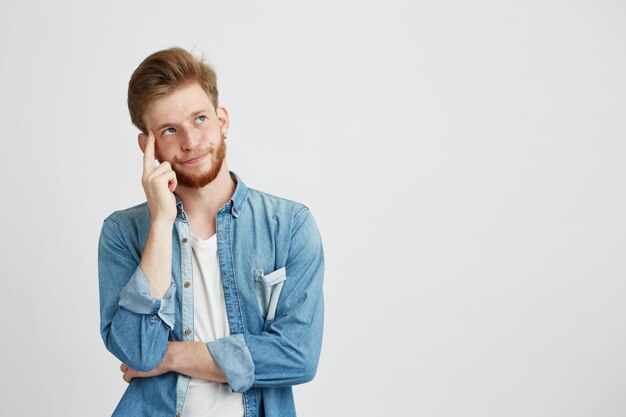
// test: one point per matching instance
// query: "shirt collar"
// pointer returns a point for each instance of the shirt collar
(234, 204)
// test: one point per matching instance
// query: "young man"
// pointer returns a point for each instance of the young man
(210, 291)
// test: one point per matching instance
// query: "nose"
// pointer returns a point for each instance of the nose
(190, 139)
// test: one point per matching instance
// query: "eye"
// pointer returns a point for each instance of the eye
(201, 117)
(168, 129)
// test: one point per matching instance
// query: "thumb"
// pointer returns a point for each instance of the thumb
(172, 184)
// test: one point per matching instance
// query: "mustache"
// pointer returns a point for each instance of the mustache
(177, 160)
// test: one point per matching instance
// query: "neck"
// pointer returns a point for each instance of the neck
(208, 200)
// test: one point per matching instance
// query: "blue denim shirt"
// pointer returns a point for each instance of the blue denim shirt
(272, 267)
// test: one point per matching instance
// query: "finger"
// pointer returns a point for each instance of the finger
(173, 183)
(123, 367)
(126, 377)
(148, 154)
(170, 177)
(164, 167)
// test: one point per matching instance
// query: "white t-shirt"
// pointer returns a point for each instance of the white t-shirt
(206, 398)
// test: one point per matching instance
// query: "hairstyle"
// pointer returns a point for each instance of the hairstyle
(161, 74)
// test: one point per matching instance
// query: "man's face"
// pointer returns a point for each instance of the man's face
(186, 127)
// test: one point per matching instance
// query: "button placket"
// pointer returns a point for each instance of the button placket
(186, 299)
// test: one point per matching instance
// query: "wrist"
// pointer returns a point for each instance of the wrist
(162, 223)
(168, 361)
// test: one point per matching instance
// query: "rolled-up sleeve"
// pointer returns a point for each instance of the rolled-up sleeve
(136, 297)
(234, 358)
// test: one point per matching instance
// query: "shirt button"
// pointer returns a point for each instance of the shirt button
(184, 240)
(187, 332)
(187, 284)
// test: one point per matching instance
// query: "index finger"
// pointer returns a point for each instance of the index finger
(148, 154)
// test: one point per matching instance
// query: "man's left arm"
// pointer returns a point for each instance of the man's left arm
(188, 358)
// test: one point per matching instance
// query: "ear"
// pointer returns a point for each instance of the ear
(222, 116)
(141, 140)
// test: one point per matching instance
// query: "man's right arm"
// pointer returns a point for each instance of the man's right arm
(137, 297)
(159, 184)
(156, 261)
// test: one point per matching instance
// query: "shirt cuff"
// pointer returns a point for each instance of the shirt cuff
(135, 296)
(234, 358)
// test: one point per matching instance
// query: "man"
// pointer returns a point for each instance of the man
(210, 291)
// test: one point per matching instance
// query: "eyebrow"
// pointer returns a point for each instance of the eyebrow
(191, 115)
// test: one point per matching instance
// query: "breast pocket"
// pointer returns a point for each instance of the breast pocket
(268, 288)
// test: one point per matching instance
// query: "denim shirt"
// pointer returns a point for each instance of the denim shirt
(272, 266)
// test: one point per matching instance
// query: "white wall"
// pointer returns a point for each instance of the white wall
(465, 162)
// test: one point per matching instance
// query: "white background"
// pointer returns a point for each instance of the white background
(465, 163)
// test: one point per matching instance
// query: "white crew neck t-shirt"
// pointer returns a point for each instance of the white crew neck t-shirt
(206, 398)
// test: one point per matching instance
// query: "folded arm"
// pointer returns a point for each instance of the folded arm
(188, 358)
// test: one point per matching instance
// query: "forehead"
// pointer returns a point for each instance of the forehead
(177, 106)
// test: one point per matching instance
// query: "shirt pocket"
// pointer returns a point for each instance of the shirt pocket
(268, 288)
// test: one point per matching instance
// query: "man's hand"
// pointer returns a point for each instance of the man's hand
(130, 373)
(161, 368)
(159, 184)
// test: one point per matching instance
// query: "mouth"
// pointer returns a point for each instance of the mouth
(195, 160)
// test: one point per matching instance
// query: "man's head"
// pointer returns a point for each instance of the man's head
(175, 95)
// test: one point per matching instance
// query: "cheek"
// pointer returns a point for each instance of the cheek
(162, 152)
(210, 128)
